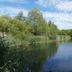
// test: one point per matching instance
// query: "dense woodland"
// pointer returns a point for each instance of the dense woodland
(34, 24)
(21, 29)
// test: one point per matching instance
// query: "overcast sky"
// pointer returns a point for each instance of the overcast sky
(58, 11)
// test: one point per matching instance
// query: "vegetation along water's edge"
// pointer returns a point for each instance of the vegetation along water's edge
(18, 38)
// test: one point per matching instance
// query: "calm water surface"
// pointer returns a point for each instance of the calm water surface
(51, 57)
(61, 61)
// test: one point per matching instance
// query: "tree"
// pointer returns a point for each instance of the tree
(37, 22)
(20, 16)
(20, 29)
(4, 25)
(53, 30)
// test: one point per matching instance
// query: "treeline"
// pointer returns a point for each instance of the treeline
(66, 32)
(23, 27)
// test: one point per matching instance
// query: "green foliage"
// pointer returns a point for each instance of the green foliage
(40, 26)
(15, 27)
(27, 59)
(20, 29)
(37, 22)
(4, 24)
(66, 32)
(53, 30)
(23, 27)
(20, 16)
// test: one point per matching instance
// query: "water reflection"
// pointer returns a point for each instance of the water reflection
(61, 61)
(28, 59)
(53, 47)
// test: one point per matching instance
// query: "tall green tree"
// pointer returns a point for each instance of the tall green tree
(20, 29)
(53, 30)
(37, 22)
(20, 16)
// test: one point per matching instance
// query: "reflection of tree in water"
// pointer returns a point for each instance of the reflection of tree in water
(28, 59)
(52, 49)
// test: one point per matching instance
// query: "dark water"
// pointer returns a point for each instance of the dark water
(37, 55)
(61, 61)
(52, 57)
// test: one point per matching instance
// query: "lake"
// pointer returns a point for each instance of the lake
(48, 57)
(61, 61)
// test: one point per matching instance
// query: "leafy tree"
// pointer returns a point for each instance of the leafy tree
(4, 25)
(53, 30)
(20, 16)
(20, 29)
(37, 22)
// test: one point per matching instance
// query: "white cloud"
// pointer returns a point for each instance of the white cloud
(66, 6)
(12, 11)
(60, 16)
(46, 3)
(61, 5)
(63, 25)
(62, 20)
